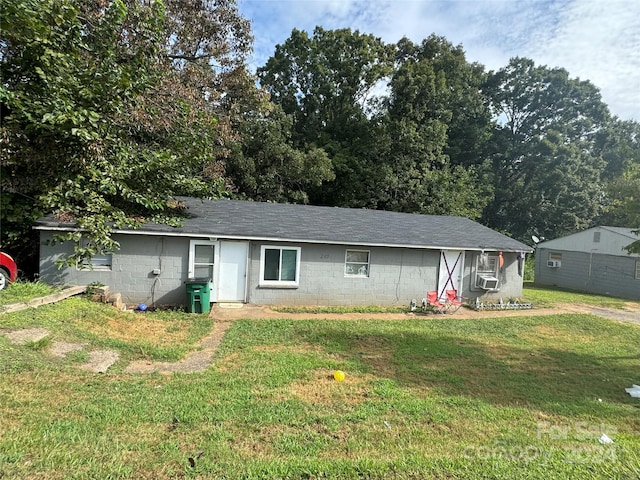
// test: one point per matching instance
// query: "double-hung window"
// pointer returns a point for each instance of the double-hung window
(279, 266)
(637, 269)
(202, 254)
(356, 263)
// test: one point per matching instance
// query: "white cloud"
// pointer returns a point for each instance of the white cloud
(599, 41)
(592, 39)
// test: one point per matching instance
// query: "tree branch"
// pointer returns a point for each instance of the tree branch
(191, 58)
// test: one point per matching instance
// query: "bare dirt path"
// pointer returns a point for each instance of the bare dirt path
(631, 313)
(195, 361)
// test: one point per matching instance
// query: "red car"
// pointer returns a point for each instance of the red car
(8, 270)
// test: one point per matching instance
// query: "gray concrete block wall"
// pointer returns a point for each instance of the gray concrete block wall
(596, 273)
(396, 276)
(131, 271)
(510, 280)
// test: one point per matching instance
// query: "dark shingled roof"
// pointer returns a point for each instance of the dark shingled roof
(307, 223)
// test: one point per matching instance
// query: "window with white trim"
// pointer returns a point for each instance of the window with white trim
(202, 254)
(279, 266)
(98, 260)
(637, 269)
(486, 268)
(356, 263)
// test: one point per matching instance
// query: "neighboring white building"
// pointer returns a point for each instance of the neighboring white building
(592, 261)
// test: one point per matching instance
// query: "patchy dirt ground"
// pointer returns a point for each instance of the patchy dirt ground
(195, 361)
(27, 335)
(101, 360)
(62, 349)
(631, 313)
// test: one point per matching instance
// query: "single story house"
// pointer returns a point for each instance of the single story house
(282, 254)
(593, 260)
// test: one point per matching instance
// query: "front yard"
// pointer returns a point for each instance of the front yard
(436, 397)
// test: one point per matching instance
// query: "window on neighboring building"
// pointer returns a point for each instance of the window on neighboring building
(486, 267)
(554, 260)
(356, 263)
(202, 254)
(596, 237)
(637, 269)
(279, 266)
(98, 261)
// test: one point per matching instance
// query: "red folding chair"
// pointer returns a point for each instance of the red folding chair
(433, 303)
(453, 301)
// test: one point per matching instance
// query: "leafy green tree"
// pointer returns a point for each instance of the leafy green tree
(266, 167)
(431, 83)
(621, 149)
(111, 108)
(327, 84)
(392, 151)
(620, 146)
(545, 163)
(326, 81)
(624, 193)
(467, 118)
(635, 246)
(559, 182)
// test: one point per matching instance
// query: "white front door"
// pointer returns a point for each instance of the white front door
(232, 283)
(451, 270)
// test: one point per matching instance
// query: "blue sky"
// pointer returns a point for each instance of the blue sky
(596, 40)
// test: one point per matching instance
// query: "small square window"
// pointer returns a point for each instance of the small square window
(98, 261)
(356, 263)
(554, 260)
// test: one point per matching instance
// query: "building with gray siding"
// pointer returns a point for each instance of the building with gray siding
(593, 260)
(281, 254)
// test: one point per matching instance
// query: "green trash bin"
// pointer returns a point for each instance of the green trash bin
(198, 295)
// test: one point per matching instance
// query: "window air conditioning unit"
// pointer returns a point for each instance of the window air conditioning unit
(553, 263)
(488, 283)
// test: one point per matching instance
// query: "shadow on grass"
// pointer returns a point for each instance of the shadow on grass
(542, 377)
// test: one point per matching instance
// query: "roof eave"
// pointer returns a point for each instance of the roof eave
(216, 236)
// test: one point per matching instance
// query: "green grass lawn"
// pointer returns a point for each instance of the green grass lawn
(545, 297)
(21, 291)
(445, 398)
